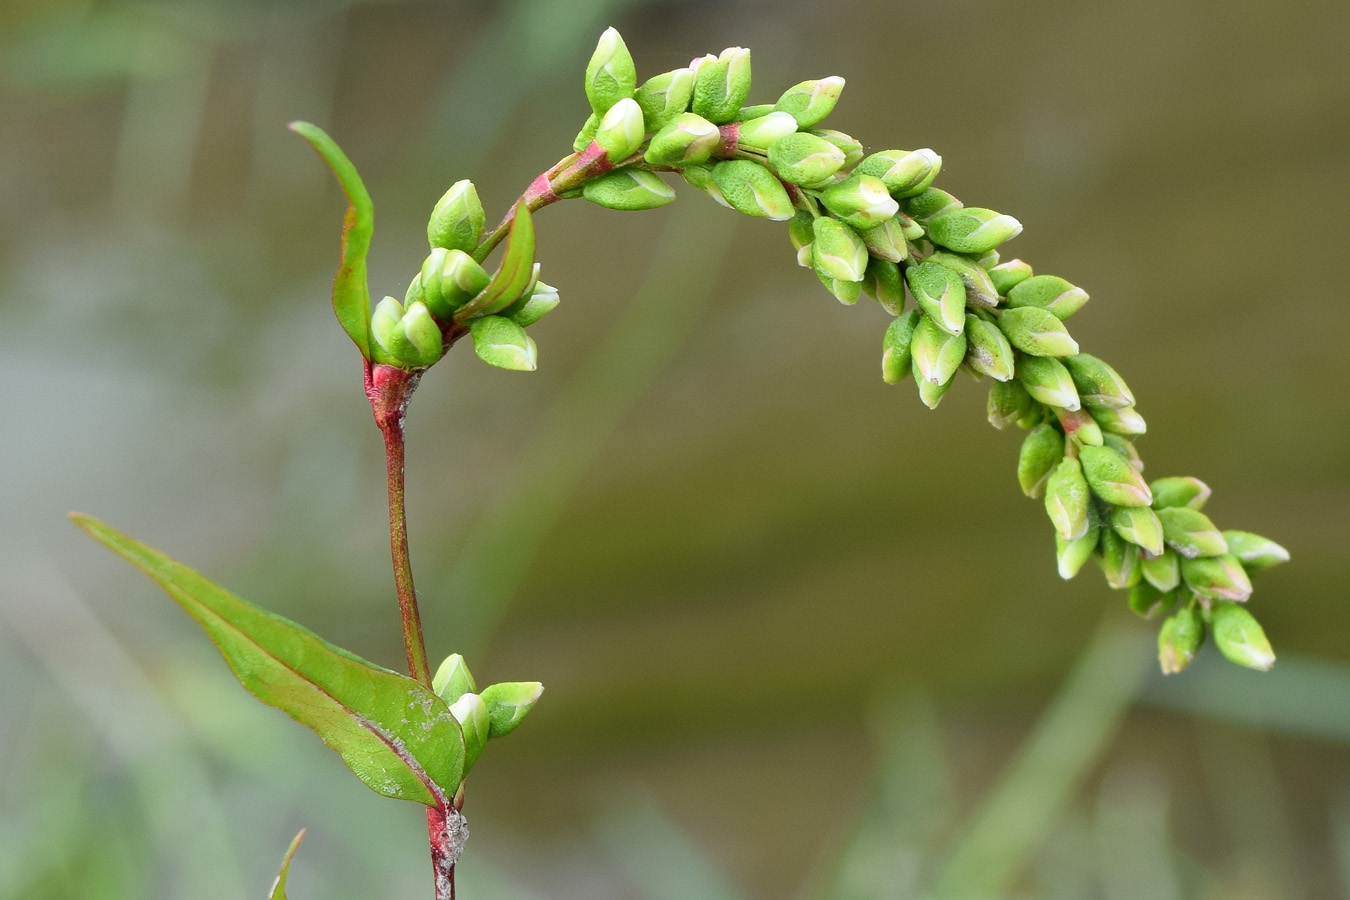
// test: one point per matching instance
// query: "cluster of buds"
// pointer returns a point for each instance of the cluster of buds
(490, 713)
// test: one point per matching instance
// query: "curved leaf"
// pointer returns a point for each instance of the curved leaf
(278, 891)
(395, 734)
(515, 273)
(351, 290)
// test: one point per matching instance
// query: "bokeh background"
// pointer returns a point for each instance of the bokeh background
(802, 637)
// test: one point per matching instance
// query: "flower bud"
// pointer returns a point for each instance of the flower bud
(904, 172)
(586, 136)
(763, 132)
(746, 113)
(453, 679)
(860, 200)
(471, 713)
(1009, 404)
(701, 177)
(1162, 571)
(1126, 449)
(911, 229)
(1009, 275)
(1119, 560)
(940, 294)
(846, 292)
(532, 307)
(1047, 381)
(721, 85)
(811, 101)
(424, 333)
(1098, 384)
(1079, 426)
(664, 97)
(751, 189)
(1112, 478)
(935, 354)
(1240, 637)
(803, 158)
(837, 251)
(1070, 555)
(1180, 637)
(979, 289)
(502, 343)
(628, 189)
(972, 229)
(1139, 525)
(685, 140)
(1042, 450)
(1146, 600)
(1125, 421)
(1037, 332)
(886, 241)
(988, 351)
(1067, 501)
(1190, 532)
(895, 356)
(1256, 553)
(1048, 292)
(457, 220)
(883, 281)
(1217, 577)
(448, 280)
(621, 130)
(1179, 491)
(610, 75)
(847, 144)
(930, 203)
(408, 338)
(508, 703)
(931, 394)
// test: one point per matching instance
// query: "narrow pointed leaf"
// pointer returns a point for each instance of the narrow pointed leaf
(351, 289)
(278, 891)
(395, 735)
(515, 274)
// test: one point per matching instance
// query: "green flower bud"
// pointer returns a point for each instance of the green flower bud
(448, 280)
(940, 294)
(1180, 637)
(1042, 450)
(1217, 577)
(911, 229)
(1009, 275)
(1179, 491)
(904, 172)
(701, 177)
(387, 329)
(457, 220)
(1125, 420)
(751, 189)
(764, 131)
(586, 135)
(846, 292)
(453, 679)
(1037, 332)
(1138, 525)
(1048, 292)
(508, 703)
(883, 281)
(471, 713)
(988, 351)
(931, 394)
(802, 233)
(803, 158)
(1191, 533)
(685, 140)
(837, 251)
(1067, 500)
(424, 333)
(628, 189)
(860, 201)
(811, 101)
(1070, 555)
(1240, 637)
(664, 97)
(407, 338)
(502, 343)
(930, 203)
(1146, 600)
(887, 240)
(533, 306)
(1098, 384)
(1126, 449)
(621, 130)
(935, 354)
(895, 356)
(610, 75)
(1162, 571)
(847, 144)
(721, 85)
(1046, 379)
(1079, 426)
(1119, 560)
(1112, 478)
(979, 289)
(972, 229)
(746, 113)
(1009, 404)
(1256, 553)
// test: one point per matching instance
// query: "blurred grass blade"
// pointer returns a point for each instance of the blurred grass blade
(514, 274)
(351, 289)
(396, 735)
(278, 891)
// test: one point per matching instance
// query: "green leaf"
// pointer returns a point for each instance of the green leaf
(395, 734)
(278, 891)
(351, 289)
(515, 273)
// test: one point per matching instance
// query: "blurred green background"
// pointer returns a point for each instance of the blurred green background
(802, 637)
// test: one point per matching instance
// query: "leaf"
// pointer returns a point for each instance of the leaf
(396, 735)
(351, 290)
(278, 891)
(515, 274)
